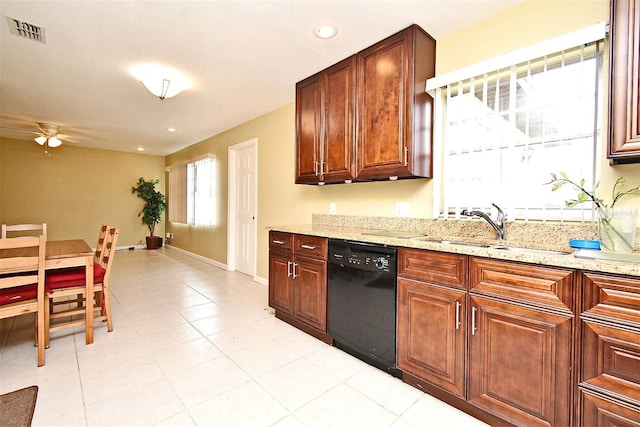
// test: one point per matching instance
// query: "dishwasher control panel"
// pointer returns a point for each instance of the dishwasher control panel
(366, 259)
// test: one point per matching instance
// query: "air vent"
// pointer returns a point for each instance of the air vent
(26, 30)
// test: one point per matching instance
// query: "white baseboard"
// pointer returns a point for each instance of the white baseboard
(198, 257)
(210, 261)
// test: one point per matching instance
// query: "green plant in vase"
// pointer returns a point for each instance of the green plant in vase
(611, 236)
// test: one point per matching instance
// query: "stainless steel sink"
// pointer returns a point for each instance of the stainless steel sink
(528, 250)
(455, 242)
(499, 247)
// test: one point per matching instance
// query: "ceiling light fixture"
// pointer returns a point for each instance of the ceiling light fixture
(161, 81)
(325, 31)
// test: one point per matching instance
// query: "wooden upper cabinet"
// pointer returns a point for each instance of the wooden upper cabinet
(325, 127)
(368, 117)
(394, 137)
(308, 123)
(624, 114)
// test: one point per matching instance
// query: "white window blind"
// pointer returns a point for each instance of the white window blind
(502, 134)
(201, 192)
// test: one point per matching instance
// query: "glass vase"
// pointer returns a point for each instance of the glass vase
(617, 229)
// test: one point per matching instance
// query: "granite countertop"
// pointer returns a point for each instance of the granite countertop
(559, 255)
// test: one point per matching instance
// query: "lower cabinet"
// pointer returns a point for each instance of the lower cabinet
(520, 363)
(431, 334)
(610, 380)
(497, 335)
(298, 280)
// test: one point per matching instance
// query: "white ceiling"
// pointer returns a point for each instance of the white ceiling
(242, 56)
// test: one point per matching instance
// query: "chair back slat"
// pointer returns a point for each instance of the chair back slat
(14, 281)
(109, 251)
(21, 228)
(100, 245)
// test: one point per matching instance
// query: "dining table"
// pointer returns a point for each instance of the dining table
(64, 254)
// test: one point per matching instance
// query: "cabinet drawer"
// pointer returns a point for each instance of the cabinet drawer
(611, 355)
(434, 267)
(311, 246)
(529, 284)
(280, 240)
(617, 298)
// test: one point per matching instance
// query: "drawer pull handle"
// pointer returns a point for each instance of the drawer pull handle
(458, 314)
(289, 268)
(278, 242)
(312, 247)
(473, 320)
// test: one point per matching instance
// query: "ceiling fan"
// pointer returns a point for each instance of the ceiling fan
(47, 134)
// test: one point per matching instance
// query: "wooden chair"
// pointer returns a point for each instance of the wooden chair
(97, 259)
(72, 281)
(21, 228)
(22, 282)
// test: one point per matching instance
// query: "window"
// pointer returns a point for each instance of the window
(504, 132)
(192, 192)
(200, 192)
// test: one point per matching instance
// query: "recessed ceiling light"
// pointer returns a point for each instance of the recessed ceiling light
(325, 31)
(140, 148)
(171, 129)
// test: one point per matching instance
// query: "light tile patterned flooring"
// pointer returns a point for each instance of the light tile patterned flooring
(194, 345)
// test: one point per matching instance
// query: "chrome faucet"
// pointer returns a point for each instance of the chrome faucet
(497, 225)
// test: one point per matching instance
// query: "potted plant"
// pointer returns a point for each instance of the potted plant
(616, 226)
(154, 205)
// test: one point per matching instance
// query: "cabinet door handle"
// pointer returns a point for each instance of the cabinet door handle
(294, 270)
(406, 156)
(312, 247)
(289, 268)
(473, 320)
(458, 314)
(315, 167)
(322, 167)
(278, 242)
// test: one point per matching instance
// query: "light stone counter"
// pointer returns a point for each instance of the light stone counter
(553, 237)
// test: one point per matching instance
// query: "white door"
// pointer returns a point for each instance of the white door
(242, 215)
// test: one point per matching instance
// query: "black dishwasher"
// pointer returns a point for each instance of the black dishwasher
(362, 301)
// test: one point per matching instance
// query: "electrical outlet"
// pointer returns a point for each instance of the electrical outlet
(332, 208)
(402, 209)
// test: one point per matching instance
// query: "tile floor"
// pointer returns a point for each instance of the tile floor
(194, 345)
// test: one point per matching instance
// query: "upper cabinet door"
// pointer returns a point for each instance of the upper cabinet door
(624, 114)
(325, 127)
(308, 125)
(394, 113)
(339, 105)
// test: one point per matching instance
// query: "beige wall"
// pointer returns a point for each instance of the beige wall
(74, 190)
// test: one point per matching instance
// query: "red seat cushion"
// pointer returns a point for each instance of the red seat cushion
(71, 277)
(21, 293)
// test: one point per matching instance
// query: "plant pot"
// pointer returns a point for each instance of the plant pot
(617, 229)
(154, 242)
